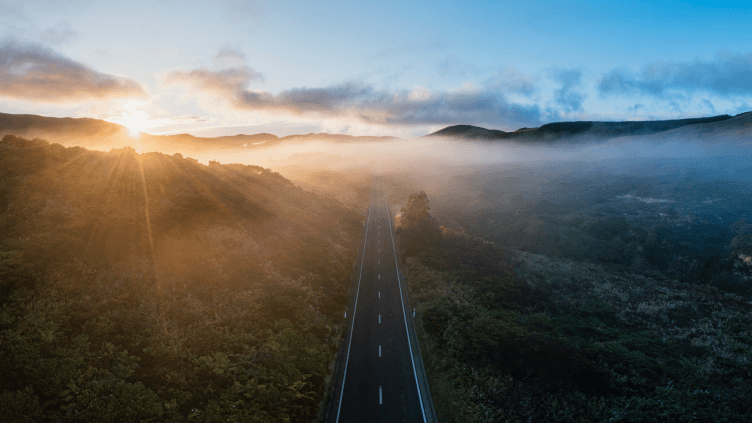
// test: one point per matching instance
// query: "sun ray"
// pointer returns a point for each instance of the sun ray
(139, 160)
(202, 188)
(73, 159)
(106, 195)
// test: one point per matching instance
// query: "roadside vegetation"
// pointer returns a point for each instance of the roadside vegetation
(146, 287)
(512, 336)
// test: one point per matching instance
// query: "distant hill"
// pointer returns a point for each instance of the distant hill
(586, 129)
(31, 124)
(103, 135)
(737, 128)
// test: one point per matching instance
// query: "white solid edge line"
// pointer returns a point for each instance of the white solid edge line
(347, 360)
(402, 301)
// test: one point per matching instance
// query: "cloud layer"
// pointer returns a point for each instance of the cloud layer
(486, 105)
(33, 72)
(726, 75)
(567, 97)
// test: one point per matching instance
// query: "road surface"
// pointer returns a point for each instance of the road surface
(378, 379)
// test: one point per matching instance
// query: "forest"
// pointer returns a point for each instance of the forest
(147, 287)
(511, 335)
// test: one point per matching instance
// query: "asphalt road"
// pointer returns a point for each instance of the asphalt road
(379, 380)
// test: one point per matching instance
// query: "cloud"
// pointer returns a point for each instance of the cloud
(419, 93)
(728, 74)
(59, 34)
(228, 56)
(511, 80)
(566, 96)
(222, 82)
(34, 72)
(471, 105)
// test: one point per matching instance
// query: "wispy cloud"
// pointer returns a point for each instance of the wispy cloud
(511, 80)
(229, 56)
(34, 72)
(61, 33)
(486, 105)
(221, 82)
(728, 74)
(568, 98)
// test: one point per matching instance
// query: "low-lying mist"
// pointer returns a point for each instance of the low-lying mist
(441, 166)
(646, 202)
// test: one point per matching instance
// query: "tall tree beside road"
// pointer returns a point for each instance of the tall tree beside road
(419, 232)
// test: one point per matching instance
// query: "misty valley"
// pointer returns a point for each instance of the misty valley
(375, 211)
(568, 273)
(595, 297)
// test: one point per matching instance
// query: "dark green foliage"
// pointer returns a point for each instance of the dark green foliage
(741, 244)
(675, 222)
(562, 341)
(145, 287)
(418, 230)
(15, 273)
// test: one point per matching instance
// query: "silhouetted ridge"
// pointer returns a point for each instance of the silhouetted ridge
(10, 123)
(103, 135)
(556, 130)
(566, 128)
(469, 131)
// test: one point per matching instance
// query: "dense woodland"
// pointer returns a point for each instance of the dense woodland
(146, 287)
(675, 221)
(511, 336)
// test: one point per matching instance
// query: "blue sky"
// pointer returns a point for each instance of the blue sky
(376, 68)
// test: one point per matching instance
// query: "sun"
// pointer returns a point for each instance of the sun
(135, 120)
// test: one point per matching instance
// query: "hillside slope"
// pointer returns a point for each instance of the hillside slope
(146, 286)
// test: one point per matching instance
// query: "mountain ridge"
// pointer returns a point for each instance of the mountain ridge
(103, 135)
(591, 129)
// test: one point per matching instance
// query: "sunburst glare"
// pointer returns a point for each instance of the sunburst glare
(134, 119)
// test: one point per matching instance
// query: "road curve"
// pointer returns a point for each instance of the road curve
(378, 371)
